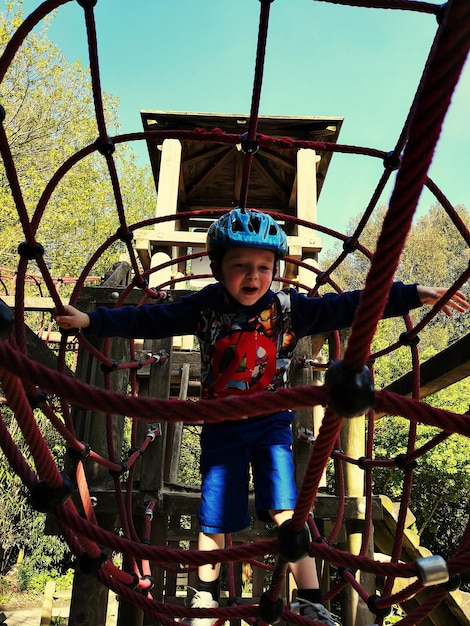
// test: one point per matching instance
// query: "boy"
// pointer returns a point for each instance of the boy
(247, 335)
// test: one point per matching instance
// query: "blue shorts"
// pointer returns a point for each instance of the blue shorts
(227, 451)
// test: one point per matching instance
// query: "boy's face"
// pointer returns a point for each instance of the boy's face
(247, 273)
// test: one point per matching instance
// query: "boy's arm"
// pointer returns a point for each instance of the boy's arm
(336, 311)
(150, 321)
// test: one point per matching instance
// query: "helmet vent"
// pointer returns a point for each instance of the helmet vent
(255, 224)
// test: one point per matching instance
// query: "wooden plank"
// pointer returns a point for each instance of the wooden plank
(247, 535)
(184, 501)
(153, 461)
(31, 303)
(38, 351)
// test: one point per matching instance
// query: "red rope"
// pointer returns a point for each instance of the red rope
(440, 78)
(255, 101)
(20, 375)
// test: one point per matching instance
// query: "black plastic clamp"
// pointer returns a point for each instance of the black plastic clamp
(44, 498)
(352, 393)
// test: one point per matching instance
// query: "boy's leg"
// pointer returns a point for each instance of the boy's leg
(207, 593)
(209, 573)
(309, 594)
(305, 570)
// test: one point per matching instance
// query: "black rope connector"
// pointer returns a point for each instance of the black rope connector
(248, 147)
(121, 470)
(441, 12)
(77, 455)
(349, 246)
(270, 612)
(87, 4)
(293, 545)
(361, 462)
(109, 367)
(39, 399)
(66, 332)
(131, 451)
(323, 539)
(150, 579)
(341, 570)
(126, 236)
(105, 147)
(321, 279)
(453, 583)
(146, 542)
(6, 321)
(138, 364)
(44, 498)
(391, 161)
(352, 393)
(140, 283)
(3, 114)
(135, 581)
(402, 462)
(30, 252)
(372, 606)
(89, 565)
(406, 340)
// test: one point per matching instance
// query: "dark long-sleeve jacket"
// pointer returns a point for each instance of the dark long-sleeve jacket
(243, 349)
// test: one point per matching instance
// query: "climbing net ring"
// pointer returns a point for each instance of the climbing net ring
(30, 386)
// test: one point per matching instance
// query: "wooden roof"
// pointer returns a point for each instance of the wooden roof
(211, 172)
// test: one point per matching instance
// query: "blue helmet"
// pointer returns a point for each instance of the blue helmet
(246, 228)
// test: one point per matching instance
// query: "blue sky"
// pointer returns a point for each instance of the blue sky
(321, 60)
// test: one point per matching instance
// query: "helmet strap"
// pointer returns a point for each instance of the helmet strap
(215, 269)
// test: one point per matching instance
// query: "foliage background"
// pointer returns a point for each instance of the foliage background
(49, 116)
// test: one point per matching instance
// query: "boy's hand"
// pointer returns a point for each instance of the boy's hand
(432, 295)
(72, 318)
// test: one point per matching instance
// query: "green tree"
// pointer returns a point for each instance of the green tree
(49, 117)
(435, 254)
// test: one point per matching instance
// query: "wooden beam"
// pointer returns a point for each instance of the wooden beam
(210, 171)
(272, 179)
(278, 159)
(237, 178)
(442, 370)
(203, 155)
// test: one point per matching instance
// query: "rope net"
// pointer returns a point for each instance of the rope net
(30, 386)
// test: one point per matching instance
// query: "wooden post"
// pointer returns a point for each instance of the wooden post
(307, 161)
(354, 611)
(47, 603)
(156, 385)
(89, 597)
(167, 195)
(175, 433)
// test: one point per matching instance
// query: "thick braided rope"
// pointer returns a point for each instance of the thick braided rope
(214, 410)
(443, 69)
(404, 5)
(255, 99)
